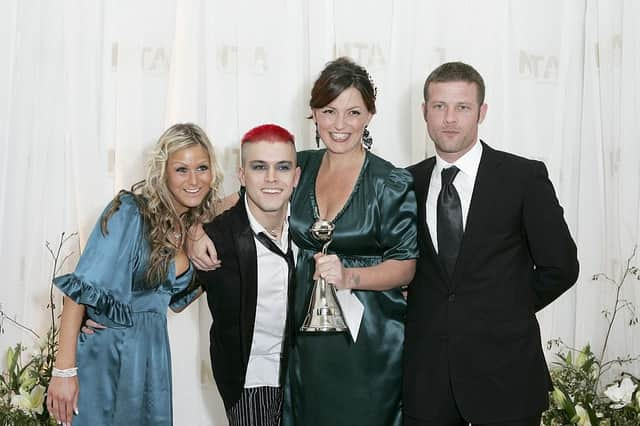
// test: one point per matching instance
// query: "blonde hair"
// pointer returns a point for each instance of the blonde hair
(154, 199)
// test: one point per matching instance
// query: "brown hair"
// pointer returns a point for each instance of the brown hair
(455, 71)
(336, 77)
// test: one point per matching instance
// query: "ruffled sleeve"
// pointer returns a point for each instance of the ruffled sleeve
(104, 275)
(398, 209)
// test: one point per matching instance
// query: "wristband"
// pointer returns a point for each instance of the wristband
(69, 372)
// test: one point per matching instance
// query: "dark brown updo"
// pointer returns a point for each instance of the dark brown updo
(338, 76)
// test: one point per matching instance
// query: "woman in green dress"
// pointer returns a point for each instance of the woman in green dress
(332, 380)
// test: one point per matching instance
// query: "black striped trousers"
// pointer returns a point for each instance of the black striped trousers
(257, 407)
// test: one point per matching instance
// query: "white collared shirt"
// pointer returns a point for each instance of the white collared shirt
(464, 182)
(263, 368)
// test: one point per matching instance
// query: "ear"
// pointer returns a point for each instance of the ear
(241, 176)
(369, 118)
(424, 111)
(482, 113)
(296, 178)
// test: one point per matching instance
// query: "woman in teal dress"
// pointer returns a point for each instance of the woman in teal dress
(132, 268)
(332, 380)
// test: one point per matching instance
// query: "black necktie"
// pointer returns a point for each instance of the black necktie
(290, 333)
(449, 220)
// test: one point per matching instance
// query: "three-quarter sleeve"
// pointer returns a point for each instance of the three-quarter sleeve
(104, 275)
(398, 209)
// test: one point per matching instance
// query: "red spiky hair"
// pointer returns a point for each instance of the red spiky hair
(269, 133)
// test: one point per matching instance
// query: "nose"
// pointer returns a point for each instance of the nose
(450, 116)
(339, 121)
(193, 179)
(271, 174)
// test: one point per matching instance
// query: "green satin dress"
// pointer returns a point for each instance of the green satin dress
(331, 380)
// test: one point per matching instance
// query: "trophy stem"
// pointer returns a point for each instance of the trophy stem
(323, 292)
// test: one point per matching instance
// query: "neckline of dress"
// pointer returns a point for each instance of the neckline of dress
(356, 186)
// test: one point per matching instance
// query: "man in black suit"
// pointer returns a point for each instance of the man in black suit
(249, 294)
(495, 249)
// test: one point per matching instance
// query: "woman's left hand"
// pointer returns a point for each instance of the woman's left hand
(329, 267)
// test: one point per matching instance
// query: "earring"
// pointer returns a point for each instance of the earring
(317, 137)
(367, 140)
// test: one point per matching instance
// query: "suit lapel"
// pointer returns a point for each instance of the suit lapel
(482, 189)
(422, 179)
(247, 263)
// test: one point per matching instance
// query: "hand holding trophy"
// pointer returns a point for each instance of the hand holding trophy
(324, 313)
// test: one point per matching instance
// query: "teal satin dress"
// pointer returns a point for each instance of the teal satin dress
(331, 380)
(124, 371)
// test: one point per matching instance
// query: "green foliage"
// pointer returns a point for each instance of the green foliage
(578, 397)
(22, 385)
(25, 378)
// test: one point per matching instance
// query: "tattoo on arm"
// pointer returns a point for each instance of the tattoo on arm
(354, 280)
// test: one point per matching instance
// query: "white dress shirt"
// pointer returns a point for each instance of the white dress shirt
(464, 182)
(263, 368)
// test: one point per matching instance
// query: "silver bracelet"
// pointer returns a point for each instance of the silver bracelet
(69, 372)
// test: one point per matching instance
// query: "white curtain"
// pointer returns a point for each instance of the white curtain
(86, 86)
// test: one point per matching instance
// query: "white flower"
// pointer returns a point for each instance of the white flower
(620, 394)
(584, 419)
(30, 402)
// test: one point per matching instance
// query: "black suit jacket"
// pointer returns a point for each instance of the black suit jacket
(477, 330)
(232, 292)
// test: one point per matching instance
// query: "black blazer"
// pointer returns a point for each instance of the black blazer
(477, 331)
(232, 292)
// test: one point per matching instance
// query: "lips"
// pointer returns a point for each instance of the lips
(450, 132)
(339, 136)
(271, 191)
(192, 193)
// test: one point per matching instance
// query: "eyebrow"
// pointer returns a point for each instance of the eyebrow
(347, 109)
(199, 163)
(266, 162)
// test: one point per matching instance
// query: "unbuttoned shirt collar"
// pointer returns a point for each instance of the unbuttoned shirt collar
(256, 227)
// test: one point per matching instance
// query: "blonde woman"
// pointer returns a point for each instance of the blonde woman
(131, 270)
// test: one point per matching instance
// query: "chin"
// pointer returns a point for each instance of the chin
(192, 204)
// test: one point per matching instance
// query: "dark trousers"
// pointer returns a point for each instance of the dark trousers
(257, 407)
(449, 415)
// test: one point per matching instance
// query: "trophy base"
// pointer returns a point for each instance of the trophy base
(323, 322)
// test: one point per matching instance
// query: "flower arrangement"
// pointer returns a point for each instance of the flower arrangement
(578, 396)
(24, 380)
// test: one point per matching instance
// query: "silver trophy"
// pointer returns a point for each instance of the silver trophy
(324, 312)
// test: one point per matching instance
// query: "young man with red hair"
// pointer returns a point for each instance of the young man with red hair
(248, 295)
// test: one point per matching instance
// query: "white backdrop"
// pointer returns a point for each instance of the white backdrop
(86, 86)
